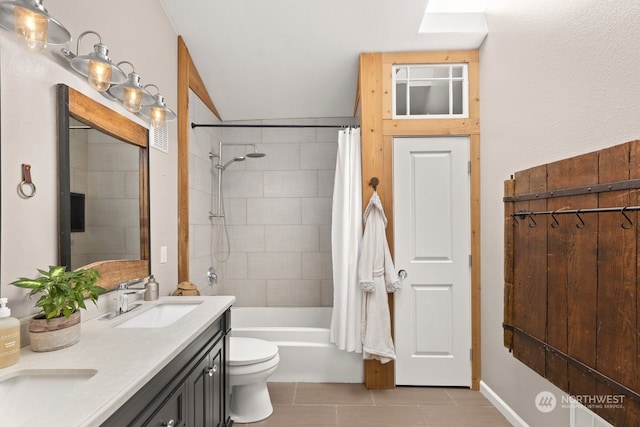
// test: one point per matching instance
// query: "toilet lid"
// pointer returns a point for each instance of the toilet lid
(245, 351)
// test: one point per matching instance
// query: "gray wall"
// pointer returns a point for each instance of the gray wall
(557, 79)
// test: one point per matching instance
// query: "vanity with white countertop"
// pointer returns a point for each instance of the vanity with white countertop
(131, 372)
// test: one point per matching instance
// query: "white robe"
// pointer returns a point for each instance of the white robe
(377, 276)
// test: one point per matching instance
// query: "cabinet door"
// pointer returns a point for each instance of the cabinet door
(206, 390)
(172, 413)
(199, 384)
(218, 396)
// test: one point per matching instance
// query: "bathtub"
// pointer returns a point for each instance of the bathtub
(302, 336)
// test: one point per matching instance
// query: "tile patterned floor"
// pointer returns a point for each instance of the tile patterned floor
(352, 405)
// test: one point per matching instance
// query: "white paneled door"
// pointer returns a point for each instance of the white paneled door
(432, 244)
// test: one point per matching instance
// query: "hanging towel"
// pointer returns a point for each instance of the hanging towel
(377, 276)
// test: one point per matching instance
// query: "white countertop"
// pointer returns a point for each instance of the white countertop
(125, 360)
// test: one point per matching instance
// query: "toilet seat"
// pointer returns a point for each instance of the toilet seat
(249, 351)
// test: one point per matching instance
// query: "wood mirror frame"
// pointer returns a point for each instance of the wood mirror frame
(72, 103)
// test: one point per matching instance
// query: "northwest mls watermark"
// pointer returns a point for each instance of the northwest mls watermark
(546, 401)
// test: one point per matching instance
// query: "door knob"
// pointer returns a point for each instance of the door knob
(402, 274)
(170, 423)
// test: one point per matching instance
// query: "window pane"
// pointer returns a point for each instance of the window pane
(457, 97)
(430, 72)
(401, 99)
(401, 73)
(423, 90)
(429, 99)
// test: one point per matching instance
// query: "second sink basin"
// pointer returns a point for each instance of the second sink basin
(21, 390)
(159, 315)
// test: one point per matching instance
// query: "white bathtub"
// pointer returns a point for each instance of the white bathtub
(302, 336)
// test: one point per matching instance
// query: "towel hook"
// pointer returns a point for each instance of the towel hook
(532, 222)
(516, 223)
(555, 222)
(581, 223)
(373, 183)
(629, 223)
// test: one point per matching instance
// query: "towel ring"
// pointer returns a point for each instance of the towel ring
(26, 188)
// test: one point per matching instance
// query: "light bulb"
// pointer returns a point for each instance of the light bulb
(31, 28)
(158, 116)
(132, 99)
(99, 75)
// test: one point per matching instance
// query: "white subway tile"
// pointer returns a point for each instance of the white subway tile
(316, 210)
(246, 238)
(319, 156)
(248, 293)
(317, 265)
(274, 211)
(291, 238)
(290, 183)
(274, 265)
(294, 293)
(325, 182)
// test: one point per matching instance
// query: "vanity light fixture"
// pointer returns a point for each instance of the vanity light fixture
(31, 23)
(96, 66)
(131, 93)
(158, 112)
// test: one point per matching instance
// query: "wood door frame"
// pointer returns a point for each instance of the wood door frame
(378, 130)
(188, 78)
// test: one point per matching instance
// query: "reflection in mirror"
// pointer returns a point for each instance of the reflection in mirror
(105, 195)
(103, 183)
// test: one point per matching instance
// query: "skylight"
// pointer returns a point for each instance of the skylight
(456, 6)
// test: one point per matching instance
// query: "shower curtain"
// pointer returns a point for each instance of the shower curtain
(346, 233)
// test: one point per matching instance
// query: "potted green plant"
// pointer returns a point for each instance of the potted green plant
(63, 294)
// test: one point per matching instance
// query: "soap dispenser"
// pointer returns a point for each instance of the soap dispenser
(151, 289)
(9, 336)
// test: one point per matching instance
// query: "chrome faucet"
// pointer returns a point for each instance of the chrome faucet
(123, 291)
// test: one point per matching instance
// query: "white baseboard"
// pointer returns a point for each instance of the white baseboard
(501, 406)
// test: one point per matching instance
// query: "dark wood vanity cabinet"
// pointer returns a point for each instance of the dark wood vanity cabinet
(191, 391)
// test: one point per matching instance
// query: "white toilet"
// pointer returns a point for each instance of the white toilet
(251, 362)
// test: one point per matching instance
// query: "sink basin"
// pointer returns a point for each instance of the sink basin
(20, 390)
(159, 316)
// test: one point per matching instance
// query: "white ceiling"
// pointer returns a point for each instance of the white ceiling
(299, 58)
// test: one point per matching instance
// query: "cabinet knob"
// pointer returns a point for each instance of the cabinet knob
(170, 423)
(211, 370)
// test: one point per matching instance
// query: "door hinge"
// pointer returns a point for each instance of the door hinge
(471, 354)
(470, 260)
(469, 167)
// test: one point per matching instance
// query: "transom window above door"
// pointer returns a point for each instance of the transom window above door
(430, 91)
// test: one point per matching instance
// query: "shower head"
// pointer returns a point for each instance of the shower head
(255, 154)
(235, 159)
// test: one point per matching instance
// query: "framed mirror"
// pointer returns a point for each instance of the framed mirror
(103, 183)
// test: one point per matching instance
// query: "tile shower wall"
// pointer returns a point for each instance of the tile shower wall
(277, 209)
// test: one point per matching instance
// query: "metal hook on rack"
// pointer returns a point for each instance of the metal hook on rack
(581, 224)
(532, 222)
(516, 223)
(555, 223)
(629, 223)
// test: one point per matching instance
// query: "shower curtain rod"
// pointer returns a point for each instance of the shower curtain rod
(221, 125)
